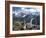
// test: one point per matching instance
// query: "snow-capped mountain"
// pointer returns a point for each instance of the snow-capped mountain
(23, 13)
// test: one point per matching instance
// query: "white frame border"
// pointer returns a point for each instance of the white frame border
(25, 31)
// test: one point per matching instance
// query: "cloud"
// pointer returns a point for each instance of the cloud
(25, 11)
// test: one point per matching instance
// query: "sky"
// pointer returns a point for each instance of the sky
(23, 8)
(26, 10)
